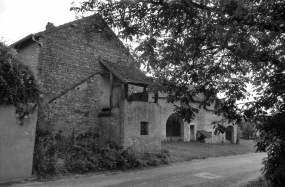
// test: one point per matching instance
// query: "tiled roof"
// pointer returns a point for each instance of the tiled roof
(205, 133)
(127, 74)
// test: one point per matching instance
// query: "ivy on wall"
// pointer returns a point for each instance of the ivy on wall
(18, 86)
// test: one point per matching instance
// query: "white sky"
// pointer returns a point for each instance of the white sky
(19, 18)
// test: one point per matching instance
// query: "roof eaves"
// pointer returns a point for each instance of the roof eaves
(205, 133)
(127, 81)
(137, 83)
(26, 38)
(111, 70)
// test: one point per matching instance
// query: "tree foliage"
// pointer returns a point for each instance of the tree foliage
(247, 129)
(217, 46)
(17, 84)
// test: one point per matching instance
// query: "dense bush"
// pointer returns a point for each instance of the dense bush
(272, 140)
(260, 182)
(57, 154)
(17, 83)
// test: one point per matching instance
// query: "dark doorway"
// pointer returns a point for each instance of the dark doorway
(229, 133)
(173, 126)
(192, 132)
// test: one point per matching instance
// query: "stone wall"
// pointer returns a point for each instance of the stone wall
(133, 113)
(202, 121)
(109, 127)
(30, 55)
(68, 56)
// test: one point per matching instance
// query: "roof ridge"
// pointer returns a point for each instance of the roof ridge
(52, 29)
(73, 22)
(64, 25)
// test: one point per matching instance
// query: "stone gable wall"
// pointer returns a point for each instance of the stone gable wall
(69, 55)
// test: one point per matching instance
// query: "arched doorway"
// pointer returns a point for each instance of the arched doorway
(230, 134)
(174, 126)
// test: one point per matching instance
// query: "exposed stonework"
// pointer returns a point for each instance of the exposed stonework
(88, 81)
(70, 54)
(78, 76)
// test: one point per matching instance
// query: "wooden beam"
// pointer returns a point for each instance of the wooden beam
(123, 91)
(126, 91)
(111, 90)
(156, 97)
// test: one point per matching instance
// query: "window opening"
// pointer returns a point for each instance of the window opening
(144, 128)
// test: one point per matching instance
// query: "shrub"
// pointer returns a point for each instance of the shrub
(260, 182)
(272, 140)
(18, 86)
(45, 154)
(129, 159)
(58, 154)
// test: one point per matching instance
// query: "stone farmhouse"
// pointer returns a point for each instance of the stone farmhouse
(89, 81)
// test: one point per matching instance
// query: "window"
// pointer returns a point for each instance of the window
(144, 128)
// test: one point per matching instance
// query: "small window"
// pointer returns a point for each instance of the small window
(144, 128)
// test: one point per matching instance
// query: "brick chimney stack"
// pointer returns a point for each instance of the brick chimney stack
(49, 26)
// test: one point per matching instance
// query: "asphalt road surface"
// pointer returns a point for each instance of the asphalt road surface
(231, 171)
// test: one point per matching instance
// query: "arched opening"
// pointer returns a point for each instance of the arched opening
(230, 134)
(174, 127)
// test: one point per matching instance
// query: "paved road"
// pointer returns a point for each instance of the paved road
(231, 171)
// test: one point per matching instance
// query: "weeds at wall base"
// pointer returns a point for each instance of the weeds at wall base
(56, 154)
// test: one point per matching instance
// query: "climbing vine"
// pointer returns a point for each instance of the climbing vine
(18, 86)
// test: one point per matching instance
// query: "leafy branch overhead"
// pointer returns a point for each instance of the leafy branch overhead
(219, 46)
(213, 47)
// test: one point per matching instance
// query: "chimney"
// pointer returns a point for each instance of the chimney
(49, 26)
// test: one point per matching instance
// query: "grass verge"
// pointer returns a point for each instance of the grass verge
(186, 151)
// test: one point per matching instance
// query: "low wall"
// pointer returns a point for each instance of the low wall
(16, 145)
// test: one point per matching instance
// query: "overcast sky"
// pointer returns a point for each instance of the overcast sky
(19, 18)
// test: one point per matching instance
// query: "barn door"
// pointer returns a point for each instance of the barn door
(173, 126)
